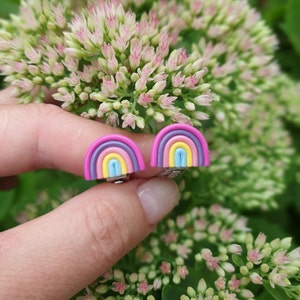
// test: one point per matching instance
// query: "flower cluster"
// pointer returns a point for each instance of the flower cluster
(31, 47)
(213, 241)
(129, 71)
(249, 163)
(262, 264)
(43, 204)
(236, 46)
(289, 101)
(108, 65)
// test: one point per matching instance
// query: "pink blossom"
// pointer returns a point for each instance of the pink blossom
(226, 235)
(112, 64)
(82, 34)
(160, 77)
(105, 107)
(159, 86)
(171, 236)
(181, 118)
(121, 78)
(200, 224)
(215, 209)
(166, 101)
(119, 43)
(74, 79)
(260, 240)
(20, 67)
(235, 249)
(220, 283)
(29, 17)
(165, 268)
(129, 120)
(204, 100)
(206, 253)
(181, 221)
(144, 99)
(141, 85)
(87, 74)
(143, 287)
(58, 69)
(33, 55)
(135, 53)
(190, 82)
(183, 251)
(147, 257)
(229, 296)
(213, 229)
(59, 16)
(109, 86)
(182, 272)
(120, 287)
(277, 278)
(255, 256)
(182, 56)
(108, 51)
(280, 258)
(33, 70)
(164, 43)
(256, 278)
(212, 263)
(234, 283)
(71, 64)
(157, 284)
(228, 267)
(25, 84)
(177, 80)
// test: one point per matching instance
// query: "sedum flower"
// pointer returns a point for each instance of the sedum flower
(234, 43)
(34, 45)
(103, 55)
(248, 164)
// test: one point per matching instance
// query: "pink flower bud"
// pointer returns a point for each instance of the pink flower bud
(159, 86)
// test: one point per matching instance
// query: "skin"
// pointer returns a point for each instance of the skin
(58, 254)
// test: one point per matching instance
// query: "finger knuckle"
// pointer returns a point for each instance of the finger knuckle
(107, 230)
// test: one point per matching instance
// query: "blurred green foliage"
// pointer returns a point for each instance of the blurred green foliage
(8, 7)
(283, 17)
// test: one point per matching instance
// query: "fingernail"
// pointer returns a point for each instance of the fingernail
(158, 197)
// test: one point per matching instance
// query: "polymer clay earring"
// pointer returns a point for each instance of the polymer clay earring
(177, 147)
(112, 157)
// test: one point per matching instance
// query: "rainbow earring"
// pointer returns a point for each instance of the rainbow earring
(177, 147)
(112, 157)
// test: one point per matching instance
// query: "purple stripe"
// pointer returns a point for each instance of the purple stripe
(165, 139)
(98, 150)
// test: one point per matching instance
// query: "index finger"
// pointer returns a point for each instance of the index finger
(37, 136)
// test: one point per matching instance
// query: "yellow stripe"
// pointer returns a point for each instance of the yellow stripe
(189, 156)
(119, 158)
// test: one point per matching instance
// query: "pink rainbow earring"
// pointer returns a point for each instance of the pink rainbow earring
(113, 157)
(177, 147)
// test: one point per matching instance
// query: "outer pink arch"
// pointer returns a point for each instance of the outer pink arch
(185, 127)
(175, 139)
(110, 150)
(108, 138)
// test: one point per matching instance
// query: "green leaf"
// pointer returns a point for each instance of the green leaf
(172, 292)
(277, 293)
(6, 200)
(9, 7)
(237, 260)
(292, 23)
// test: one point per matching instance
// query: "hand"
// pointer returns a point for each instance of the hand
(58, 254)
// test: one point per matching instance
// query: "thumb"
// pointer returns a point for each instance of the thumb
(63, 251)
